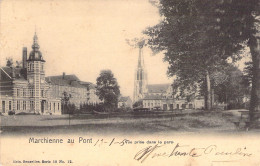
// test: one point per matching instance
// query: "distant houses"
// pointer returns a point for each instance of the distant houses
(160, 96)
(125, 102)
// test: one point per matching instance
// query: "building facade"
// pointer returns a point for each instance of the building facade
(26, 89)
(160, 96)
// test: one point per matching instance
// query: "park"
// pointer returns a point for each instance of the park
(187, 122)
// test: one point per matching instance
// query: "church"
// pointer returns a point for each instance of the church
(25, 89)
(158, 96)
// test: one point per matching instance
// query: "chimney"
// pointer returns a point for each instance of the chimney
(63, 75)
(24, 57)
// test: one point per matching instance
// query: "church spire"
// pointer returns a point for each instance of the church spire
(141, 56)
(35, 45)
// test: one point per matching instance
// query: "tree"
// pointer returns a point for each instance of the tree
(232, 89)
(200, 35)
(65, 102)
(9, 62)
(248, 75)
(138, 103)
(191, 43)
(108, 89)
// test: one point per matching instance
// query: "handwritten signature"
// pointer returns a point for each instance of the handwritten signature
(181, 150)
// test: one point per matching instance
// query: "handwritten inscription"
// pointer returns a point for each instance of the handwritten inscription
(186, 150)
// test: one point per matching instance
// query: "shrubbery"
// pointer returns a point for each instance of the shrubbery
(68, 109)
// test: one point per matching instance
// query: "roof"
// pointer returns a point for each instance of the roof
(89, 85)
(6, 73)
(123, 98)
(153, 97)
(157, 88)
(65, 80)
(6, 77)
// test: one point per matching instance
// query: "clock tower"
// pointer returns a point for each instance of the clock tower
(36, 77)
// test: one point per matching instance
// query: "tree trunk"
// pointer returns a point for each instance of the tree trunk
(212, 98)
(208, 92)
(254, 45)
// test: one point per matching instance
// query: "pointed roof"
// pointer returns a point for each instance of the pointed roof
(141, 58)
(35, 54)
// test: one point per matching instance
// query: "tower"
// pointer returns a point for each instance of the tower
(35, 76)
(140, 84)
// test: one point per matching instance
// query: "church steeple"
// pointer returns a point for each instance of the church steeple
(141, 56)
(140, 87)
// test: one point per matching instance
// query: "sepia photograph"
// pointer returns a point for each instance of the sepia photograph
(129, 82)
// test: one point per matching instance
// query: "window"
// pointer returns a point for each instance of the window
(24, 92)
(58, 106)
(31, 105)
(10, 105)
(18, 92)
(18, 105)
(24, 105)
(31, 92)
(37, 67)
(31, 67)
(42, 93)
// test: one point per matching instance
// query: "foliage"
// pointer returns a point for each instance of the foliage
(138, 103)
(108, 89)
(9, 62)
(89, 107)
(198, 36)
(232, 90)
(68, 108)
(248, 74)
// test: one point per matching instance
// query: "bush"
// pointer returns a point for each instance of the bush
(11, 112)
(68, 109)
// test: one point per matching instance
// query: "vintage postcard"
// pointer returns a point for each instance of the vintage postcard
(129, 82)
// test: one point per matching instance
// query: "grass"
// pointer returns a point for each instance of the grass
(126, 123)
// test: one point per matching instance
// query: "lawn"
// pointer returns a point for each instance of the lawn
(122, 123)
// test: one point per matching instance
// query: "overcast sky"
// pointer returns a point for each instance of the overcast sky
(82, 37)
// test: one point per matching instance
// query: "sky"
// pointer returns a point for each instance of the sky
(82, 37)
